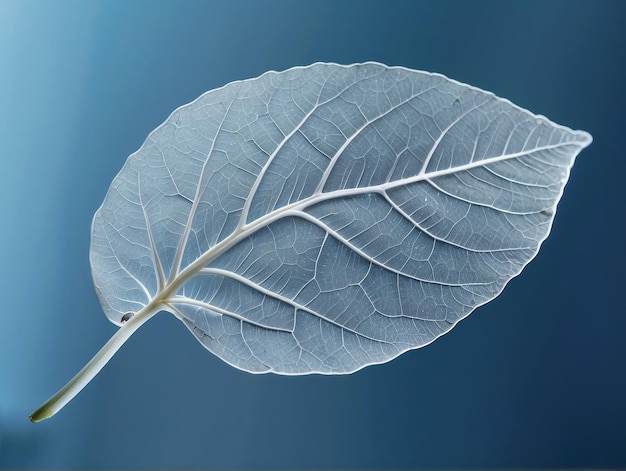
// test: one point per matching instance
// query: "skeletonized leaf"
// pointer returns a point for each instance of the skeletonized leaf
(328, 217)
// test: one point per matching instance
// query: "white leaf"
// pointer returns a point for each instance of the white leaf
(329, 217)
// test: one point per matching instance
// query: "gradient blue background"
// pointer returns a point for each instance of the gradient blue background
(534, 379)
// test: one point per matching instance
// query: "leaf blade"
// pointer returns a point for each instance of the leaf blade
(370, 208)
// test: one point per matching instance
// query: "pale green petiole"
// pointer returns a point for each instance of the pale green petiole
(91, 369)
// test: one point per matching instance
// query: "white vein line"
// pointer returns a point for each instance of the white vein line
(158, 268)
(119, 263)
(319, 151)
(243, 280)
(169, 171)
(372, 260)
(510, 180)
(175, 311)
(227, 313)
(339, 153)
(222, 311)
(445, 132)
(268, 162)
(417, 226)
(434, 174)
(476, 203)
(272, 294)
(196, 200)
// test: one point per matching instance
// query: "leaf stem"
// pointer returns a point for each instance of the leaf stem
(91, 369)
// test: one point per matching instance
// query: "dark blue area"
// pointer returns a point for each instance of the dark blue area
(533, 379)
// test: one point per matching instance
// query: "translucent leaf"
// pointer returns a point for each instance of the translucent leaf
(326, 218)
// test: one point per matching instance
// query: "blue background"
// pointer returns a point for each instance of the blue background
(536, 378)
